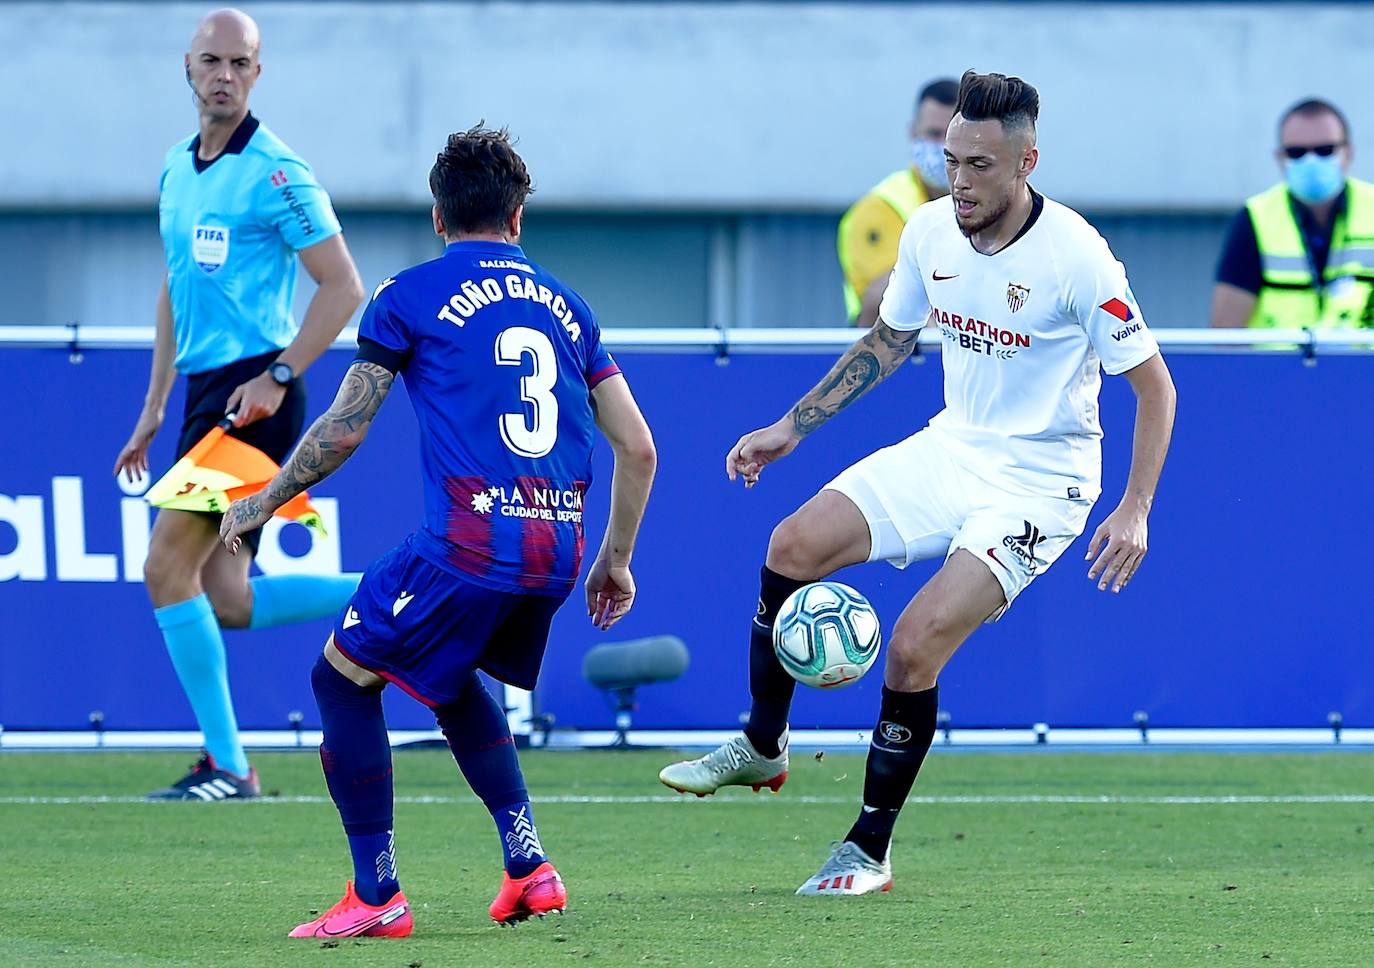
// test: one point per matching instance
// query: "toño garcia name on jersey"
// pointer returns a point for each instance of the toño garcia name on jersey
(473, 296)
(979, 336)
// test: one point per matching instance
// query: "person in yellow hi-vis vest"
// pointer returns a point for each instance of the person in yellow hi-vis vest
(1301, 254)
(870, 230)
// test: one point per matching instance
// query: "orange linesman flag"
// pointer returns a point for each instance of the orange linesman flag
(218, 471)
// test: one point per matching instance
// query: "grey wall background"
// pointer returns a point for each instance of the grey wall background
(691, 159)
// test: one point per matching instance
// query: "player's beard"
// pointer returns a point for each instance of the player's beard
(979, 223)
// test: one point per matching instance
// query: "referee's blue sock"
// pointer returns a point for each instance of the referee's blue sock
(477, 733)
(284, 599)
(197, 649)
(356, 756)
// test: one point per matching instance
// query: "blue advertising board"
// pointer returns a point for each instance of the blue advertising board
(1246, 612)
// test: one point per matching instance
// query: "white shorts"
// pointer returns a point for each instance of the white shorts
(921, 502)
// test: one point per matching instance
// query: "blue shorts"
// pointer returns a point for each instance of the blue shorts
(425, 629)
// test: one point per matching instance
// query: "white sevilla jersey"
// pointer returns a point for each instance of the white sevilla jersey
(1026, 332)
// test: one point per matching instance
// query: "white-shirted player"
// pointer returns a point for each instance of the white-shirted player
(1032, 306)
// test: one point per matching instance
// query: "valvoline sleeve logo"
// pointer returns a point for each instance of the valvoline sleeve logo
(210, 247)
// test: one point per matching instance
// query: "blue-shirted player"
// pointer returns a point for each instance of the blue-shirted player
(509, 381)
(237, 208)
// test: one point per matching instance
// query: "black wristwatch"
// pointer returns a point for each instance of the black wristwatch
(282, 373)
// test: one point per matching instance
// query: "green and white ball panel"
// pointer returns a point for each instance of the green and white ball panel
(826, 635)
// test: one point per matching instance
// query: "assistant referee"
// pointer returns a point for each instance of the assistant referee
(236, 209)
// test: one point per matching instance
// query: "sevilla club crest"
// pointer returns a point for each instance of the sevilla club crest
(1016, 296)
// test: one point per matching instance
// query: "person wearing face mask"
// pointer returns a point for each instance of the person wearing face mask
(1301, 254)
(869, 231)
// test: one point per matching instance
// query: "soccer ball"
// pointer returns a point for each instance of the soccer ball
(826, 635)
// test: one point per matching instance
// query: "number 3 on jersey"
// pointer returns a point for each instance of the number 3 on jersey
(530, 434)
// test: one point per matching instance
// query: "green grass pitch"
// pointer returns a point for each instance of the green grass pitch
(655, 879)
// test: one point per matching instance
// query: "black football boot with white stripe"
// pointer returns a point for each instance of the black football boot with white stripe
(209, 783)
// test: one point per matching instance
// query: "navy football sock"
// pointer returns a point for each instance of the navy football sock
(906, 726)
(475, 726)
(356, 756)
(770, 687)
(374, 866)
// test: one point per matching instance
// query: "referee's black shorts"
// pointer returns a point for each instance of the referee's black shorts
(206, 396)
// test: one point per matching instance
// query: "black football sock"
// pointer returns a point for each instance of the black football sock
(899, 745)
(770, 687)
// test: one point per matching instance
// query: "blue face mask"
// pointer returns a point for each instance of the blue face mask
(1314, 179)
(929, 159)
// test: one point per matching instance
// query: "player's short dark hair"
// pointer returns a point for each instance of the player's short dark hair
(944, 91)
(997, 97)
(1310, 107)
(478, 181)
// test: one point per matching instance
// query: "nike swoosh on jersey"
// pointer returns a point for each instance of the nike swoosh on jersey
(939, 278)
(401, 602)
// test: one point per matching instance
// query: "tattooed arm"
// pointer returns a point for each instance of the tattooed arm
(329, 442)
(863, 366)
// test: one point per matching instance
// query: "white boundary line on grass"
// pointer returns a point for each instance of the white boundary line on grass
(832, 739)
(783, 799)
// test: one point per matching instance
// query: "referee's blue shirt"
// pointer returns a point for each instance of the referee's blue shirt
(231, 228)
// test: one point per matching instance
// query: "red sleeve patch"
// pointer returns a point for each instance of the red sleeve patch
(279, 178)
(1118, 309)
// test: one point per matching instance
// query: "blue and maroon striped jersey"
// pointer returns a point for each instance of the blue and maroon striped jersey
(499, 359)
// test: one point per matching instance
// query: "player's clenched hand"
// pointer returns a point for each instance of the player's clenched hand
(244, 515)
(1122, 538)
(255, 400)
(610, 593)
(755, 451)
(132, 461)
